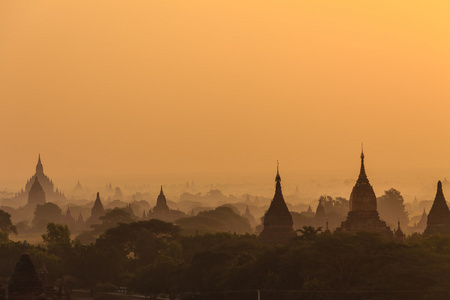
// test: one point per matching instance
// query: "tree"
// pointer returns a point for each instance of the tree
(392, 208)
(111, 219)
(57, 234)
(221, 219)
(309, 232)
(5, 223)
(46, 213)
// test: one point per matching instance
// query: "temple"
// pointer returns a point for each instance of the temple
(51, 194)
(320, 219)
(36, 195)
(161, 204)
(398, 234)
(439, 215)
(161, 211)
(25, 283)
(422, 224)
(363, 214)
(278, 224)
(96, 212)
(251, 219)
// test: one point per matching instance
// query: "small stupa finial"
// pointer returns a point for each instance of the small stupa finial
(362, 172)
(278, 177)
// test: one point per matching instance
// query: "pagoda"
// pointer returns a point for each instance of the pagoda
(36, 195)
(320, 217)
(25, 283)
(278, 224)
(363, 214)
(439, 215)
(161, 211)
(422, 224)
(97, 211)
(398, 234)
(161, 204)
(251, 219)
(52, 194)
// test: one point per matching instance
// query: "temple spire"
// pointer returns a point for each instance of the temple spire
(439, 189)
(362, 172)
(278, 180)
(39, 167)
(278, 177)
(161, 192)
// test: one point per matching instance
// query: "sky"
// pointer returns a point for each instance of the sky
(108, 88)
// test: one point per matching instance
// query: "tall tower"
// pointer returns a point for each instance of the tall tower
(363, 214)
(439, 215)
(278, 224)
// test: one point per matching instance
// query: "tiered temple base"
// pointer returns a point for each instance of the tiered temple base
(364, 221)
(273, 235)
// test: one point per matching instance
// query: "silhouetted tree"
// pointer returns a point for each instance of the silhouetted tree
(221, 219)
(5, 223)
(46, 213)
(391, 208)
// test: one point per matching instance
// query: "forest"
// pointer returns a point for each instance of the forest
(152, 258)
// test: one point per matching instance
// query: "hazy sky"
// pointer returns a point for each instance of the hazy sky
(149, 87)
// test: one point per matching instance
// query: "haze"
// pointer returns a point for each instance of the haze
(127, 89)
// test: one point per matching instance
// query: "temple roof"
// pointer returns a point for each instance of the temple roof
(278, 211)
(36, 187)
(98, 206)
(161, 202)
(24, 280)
(39, 167)
(399, 231)
(320, 210)
(363, 197)
(278, 223)
(439, 209)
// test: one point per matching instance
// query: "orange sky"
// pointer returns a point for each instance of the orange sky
(151, 87)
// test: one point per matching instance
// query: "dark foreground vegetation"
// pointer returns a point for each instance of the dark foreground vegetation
(151, 257)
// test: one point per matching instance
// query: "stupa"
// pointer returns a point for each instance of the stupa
(363, 214)
(439, 215)
(278, 224)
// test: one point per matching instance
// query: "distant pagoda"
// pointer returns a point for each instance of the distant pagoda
(51, 194)
(96, 212)
(161, 204)
(363, 214)
(422, 224)
(278, 224)
(320, 218)
(439, 215)
(251, 219)
(161, 211)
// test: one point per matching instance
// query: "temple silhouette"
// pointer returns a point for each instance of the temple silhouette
(36, 195)
(96, 212)
(25, 283)
(51, 194)
(161, 207)
(363, 214)
(161, 211)
(278, 224)
(439, 215)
